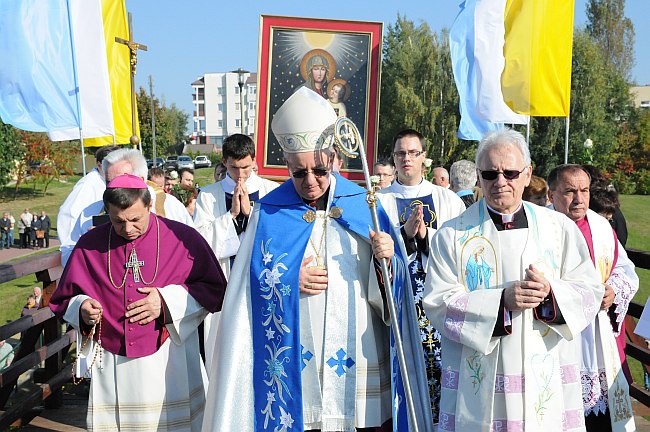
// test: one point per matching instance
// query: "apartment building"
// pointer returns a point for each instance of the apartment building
(217, 109)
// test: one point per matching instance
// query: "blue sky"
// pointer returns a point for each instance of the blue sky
(187, 39)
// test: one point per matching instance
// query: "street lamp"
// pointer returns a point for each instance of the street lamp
(242, 76)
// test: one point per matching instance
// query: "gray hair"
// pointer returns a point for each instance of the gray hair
(503, 137)
(462, 175)
(132, 156)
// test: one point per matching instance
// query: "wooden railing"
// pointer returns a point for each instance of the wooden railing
(636, 347)
(52, 352)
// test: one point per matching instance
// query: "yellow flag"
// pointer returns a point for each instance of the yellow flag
(119, 64)
(536, 80)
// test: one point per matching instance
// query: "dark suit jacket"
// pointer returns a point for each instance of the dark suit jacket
(46, 224)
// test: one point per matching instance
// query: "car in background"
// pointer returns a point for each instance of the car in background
(160, 162)
(171, 163)
(202, 162)
(184, 162)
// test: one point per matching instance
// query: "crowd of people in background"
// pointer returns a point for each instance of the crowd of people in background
(33, 230)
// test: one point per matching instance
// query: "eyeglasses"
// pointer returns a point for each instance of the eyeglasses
(385, 175)
(508, 174)
(412, 153)
(317, 172)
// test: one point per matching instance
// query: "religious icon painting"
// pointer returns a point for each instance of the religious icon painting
(339, 60)
(479, 264)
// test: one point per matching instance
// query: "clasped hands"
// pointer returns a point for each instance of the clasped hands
(142, 311)
(240, 202)
(415, 225)
(313, 279)
(528, 293)
(531, 292)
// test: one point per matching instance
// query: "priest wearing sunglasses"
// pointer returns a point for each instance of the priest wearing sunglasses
(510, 286)
(417, 208)
(303, 341)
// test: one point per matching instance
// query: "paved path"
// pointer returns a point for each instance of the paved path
(15, 252)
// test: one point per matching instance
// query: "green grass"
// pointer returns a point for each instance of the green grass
(14, 296)
(36, 200)
(204, 176)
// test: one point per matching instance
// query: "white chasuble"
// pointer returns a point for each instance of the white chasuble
(174, 209)
(529, 379)
(346, 379)
(603, 383)
(76, 213)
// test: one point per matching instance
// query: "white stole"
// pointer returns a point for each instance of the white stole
(599, 350)
(328, 396)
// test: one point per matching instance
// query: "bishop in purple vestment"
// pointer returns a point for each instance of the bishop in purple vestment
(141, 284)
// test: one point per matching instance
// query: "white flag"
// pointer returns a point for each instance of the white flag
(92, 72)
(489, 39)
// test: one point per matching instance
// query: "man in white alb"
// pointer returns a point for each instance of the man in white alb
(510, 286)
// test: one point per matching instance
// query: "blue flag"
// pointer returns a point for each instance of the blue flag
(462, 46)
(37, 72)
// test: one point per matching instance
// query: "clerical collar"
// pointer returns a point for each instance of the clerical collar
(503, 221)
(319, 203)
(407, 191)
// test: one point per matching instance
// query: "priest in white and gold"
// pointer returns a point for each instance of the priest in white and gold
(510, 286)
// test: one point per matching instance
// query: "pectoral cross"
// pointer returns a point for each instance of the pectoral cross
(133, 47)
(134, 264)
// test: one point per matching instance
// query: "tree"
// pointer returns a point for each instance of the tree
(600, 109)
(171, 124)
(418, 91)
(45, 161)
(10, 151)
(613, 32)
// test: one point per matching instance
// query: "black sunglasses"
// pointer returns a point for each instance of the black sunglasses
(508, 174)
(317, 172)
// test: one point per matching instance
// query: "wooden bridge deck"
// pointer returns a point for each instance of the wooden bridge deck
(71, 417)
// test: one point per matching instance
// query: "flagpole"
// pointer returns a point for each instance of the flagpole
(83, 153)
(528, 132)
(566, 142)
(76, 85)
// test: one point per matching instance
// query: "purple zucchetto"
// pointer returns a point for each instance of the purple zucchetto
(127, 181)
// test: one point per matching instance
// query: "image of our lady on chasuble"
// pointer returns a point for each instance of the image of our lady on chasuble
(339, 60)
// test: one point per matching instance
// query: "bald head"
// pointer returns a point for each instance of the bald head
(440, 177)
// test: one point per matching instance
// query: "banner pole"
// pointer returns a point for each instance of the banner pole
(566, 142)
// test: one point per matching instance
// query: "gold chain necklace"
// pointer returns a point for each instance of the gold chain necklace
(135, 268)
(319, 260)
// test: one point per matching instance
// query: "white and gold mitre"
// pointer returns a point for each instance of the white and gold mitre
(304, 123)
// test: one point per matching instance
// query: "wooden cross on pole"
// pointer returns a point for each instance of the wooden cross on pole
(133, 47)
